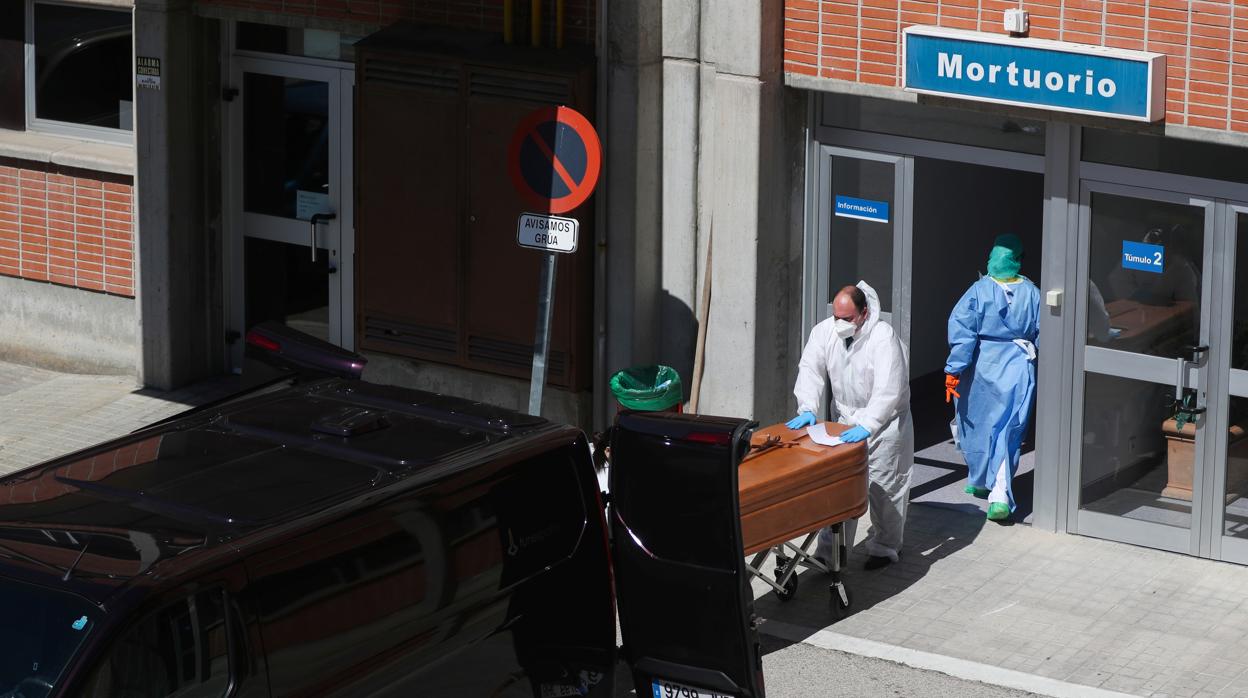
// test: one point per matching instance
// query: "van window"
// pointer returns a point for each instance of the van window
(181, 650)
(40, 630)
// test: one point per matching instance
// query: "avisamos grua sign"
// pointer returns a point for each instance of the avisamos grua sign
(1035, 73)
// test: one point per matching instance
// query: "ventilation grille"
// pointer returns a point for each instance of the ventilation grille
(527, 88)
(411, 77)
(513, 355)
(422, 338)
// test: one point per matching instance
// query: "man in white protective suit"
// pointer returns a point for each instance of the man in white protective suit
(867, 367)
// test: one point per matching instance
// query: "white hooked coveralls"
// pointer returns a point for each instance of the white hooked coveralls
(871, 389)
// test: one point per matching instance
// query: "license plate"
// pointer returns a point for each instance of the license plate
(559, 690)
(670, 689)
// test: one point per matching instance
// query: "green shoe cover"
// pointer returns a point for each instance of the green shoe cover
(979, 492)
(998, 511)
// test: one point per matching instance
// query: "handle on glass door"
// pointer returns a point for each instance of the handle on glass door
(314, 220)
(1194, 350)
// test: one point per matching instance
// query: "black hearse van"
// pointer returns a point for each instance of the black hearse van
(335, 537)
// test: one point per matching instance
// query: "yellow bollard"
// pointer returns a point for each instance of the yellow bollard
(536, 22)
(509, 16)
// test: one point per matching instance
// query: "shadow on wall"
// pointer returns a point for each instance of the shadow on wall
(678, 338)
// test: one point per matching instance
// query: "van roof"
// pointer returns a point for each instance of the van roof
(95, 519)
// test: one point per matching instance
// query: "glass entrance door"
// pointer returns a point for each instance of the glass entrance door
(290, 153)
(1141, 422)
(861, 232)
(1229, 523)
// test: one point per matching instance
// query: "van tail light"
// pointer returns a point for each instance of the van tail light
(716, 438)
(281, 346)
(259, 341)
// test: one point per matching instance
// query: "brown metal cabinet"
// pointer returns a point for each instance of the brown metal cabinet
(439, 274)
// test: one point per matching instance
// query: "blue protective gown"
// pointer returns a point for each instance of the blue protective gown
(998, 375)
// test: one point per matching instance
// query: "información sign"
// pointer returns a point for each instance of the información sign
(862, 209)
(1051, 75)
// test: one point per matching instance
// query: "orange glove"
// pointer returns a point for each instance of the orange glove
(951, 386)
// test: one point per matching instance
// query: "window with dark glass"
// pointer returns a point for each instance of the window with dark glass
(1148, 151)
(12, 64)
(182, 649)
(83, 65)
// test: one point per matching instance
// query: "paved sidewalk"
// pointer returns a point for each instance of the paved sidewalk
(1079, 612)
(44, 414)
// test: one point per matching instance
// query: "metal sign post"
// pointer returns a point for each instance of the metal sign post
(541, 347)
(554, 161)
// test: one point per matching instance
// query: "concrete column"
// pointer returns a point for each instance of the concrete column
(177, 292)
(632, 180)
(726, 162)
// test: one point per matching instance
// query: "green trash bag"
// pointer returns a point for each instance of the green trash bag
(647, 388)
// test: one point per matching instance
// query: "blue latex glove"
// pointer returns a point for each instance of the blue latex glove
(804, 419)
(854, 435)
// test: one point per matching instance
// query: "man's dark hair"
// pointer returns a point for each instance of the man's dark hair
(857, 296)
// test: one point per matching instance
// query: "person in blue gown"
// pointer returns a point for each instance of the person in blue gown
(991, 372)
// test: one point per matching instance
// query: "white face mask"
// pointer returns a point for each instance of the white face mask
(844, 328)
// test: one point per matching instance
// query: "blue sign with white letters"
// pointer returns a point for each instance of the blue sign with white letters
(862, 209)
(1035, 73)
(1143, 257)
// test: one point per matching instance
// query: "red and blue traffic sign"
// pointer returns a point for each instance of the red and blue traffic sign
(555, 159)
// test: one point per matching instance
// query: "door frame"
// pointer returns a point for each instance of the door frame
(827, 141)
(1103, 361)
(1064, 283)
(1231, 383)
(341, 78)
(831, 141)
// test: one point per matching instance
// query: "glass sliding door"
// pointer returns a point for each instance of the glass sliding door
(1140, 418)
(1230, 457)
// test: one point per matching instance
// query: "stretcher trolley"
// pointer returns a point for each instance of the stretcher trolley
(788, 487)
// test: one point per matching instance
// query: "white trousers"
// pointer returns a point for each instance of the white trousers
(890, 462)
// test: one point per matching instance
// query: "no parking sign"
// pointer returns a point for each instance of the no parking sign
(555, 159)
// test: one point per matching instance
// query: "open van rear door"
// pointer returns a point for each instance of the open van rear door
(686, 609)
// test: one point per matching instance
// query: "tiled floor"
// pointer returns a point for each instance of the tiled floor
(1066, 607)
(44, 414)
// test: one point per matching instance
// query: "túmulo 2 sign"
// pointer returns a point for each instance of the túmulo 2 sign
(1052, 75)
(1143, 256)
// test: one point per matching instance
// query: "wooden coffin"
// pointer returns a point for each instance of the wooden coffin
(798, 486)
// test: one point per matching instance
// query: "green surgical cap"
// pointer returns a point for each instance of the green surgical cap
(647, 388)
(1006, 257)
(1011, 242)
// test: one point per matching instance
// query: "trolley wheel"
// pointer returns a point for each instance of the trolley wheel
(790, 588)
(782, 565)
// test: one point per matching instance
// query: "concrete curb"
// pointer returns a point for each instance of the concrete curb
(958, 668)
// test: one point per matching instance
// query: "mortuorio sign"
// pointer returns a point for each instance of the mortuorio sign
(1052, 75)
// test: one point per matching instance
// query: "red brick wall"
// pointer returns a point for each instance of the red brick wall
(859, 40)
(67, 226)
(486, 15)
